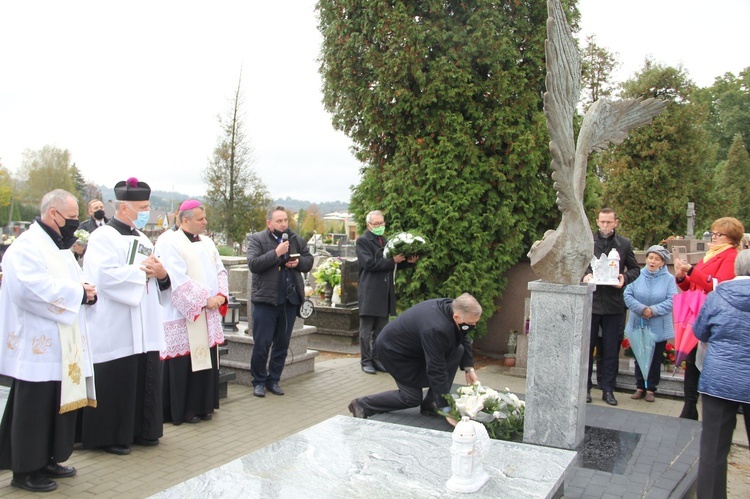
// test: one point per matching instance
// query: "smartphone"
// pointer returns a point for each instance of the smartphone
(294, 256)
(680, 252)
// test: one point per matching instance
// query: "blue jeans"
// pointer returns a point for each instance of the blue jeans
(272, 330)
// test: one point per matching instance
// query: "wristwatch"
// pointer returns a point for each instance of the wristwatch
(469, 369)
(307, 309)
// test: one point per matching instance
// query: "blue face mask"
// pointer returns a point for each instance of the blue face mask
(142, 219)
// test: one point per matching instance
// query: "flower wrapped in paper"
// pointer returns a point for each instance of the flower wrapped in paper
(407, 244)
(502, 413)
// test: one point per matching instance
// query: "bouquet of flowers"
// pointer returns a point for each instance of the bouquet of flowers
(329, 272)
(501, 413)
(628, 351)
(82, 235)
(669, 355)
(407, 244)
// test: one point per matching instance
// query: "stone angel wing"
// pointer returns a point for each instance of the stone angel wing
(563, 83)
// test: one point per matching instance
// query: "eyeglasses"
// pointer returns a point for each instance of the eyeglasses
(716, 234)
(377, 224)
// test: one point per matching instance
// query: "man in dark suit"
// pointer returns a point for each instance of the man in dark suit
(377, 295)
(608, 307)
(96, 216)
(424, 347)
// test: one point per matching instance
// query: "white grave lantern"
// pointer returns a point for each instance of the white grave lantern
(466, 457)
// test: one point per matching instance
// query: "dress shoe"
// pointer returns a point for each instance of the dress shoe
(639, 394)
(146, 442)
(588, 397)
(357, 410)
(33, 482)
(379, 367)
(650, 396)
(193, 420)
(259, 391)
(120, 450)
(275, 389)
(207, 417)
(609, 398)
(369, 370)
(428, 409)
(56, 470)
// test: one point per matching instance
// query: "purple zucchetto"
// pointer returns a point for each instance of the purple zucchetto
(190, 204)
(132, 190)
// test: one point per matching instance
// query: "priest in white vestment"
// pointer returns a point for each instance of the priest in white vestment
(44, 346)
(126, 327)
(192, 321)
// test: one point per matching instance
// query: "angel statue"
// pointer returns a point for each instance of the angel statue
(563, 254)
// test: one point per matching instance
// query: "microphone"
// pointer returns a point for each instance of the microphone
(284, 237)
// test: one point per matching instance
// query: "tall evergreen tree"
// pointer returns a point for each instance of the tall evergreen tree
(652, 176)
(731, 182)
(442, 100)
(47, 169)
(236, 198)
(597, 65)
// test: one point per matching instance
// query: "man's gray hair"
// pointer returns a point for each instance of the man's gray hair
(467, 305)
(271, 211)
(54, 199)
(369, 216)
(191, 212)
(742, 263)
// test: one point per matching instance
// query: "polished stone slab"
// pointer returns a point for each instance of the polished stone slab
(352, 458)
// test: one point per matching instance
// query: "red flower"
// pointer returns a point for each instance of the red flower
(625, 343)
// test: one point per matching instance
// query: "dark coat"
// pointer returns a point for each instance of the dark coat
(609, 299)
(724, 323)
(376, 292)
(89, 225)
(265, 266)
(414, 346)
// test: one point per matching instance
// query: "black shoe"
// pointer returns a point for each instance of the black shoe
(206, 417)
(146, 442)
(609, 398)
(689, 411)
(259, 391)
(588, 397)
(369, 370)
(193, 420)
(428, 409)
(379, 367)
(275, 389)
(357, 410)
(56, 470)
(33, 482)
(120, 450)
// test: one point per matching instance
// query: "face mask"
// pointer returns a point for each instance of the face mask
(99, 214)
(467, 328)
(142, 219)
(378, 231)
(67, 231)
(278, 233)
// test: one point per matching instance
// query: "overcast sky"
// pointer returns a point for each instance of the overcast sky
(133, 88)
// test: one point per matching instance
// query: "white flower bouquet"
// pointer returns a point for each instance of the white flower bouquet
(501, 413)
(329, 272)
(407, 244)
(82, 235)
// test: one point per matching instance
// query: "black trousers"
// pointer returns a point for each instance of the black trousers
(369, 329)
(409, 396)
(654, 371)
(690, 387)
(719, 421)
(272, 331)
(612, 327)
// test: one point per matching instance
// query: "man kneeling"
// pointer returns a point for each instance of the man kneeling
(423, 348)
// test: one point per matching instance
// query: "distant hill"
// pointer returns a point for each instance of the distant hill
(167, 201)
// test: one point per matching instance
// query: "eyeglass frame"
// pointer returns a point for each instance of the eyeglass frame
(717, 234)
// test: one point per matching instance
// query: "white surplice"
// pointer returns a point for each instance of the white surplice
(127, 318)
(41, 296)
(197, 274)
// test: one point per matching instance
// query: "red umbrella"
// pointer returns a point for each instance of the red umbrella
(685, 310)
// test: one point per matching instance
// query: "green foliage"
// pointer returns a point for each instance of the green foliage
(443, 102)
(226, 251)
(236, 198)
(731, 182)
(312, 221)
(661, 166)
(47, 169)
(728, 102)
(597, 64)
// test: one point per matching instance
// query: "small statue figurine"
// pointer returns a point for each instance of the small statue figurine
(466, 457)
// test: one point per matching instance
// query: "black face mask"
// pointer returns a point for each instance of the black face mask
(67, 231)
(99, 214)
(278, 233)
(467, 328)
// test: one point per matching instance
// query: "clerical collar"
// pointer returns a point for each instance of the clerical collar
(194, 238)
(122, 228)
(56, 238)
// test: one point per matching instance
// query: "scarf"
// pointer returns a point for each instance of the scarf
(715, 249)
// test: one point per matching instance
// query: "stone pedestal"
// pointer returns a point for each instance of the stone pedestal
(557, 364)
(337, 329)
(299, 359)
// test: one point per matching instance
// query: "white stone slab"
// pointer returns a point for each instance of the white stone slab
(353, 458)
